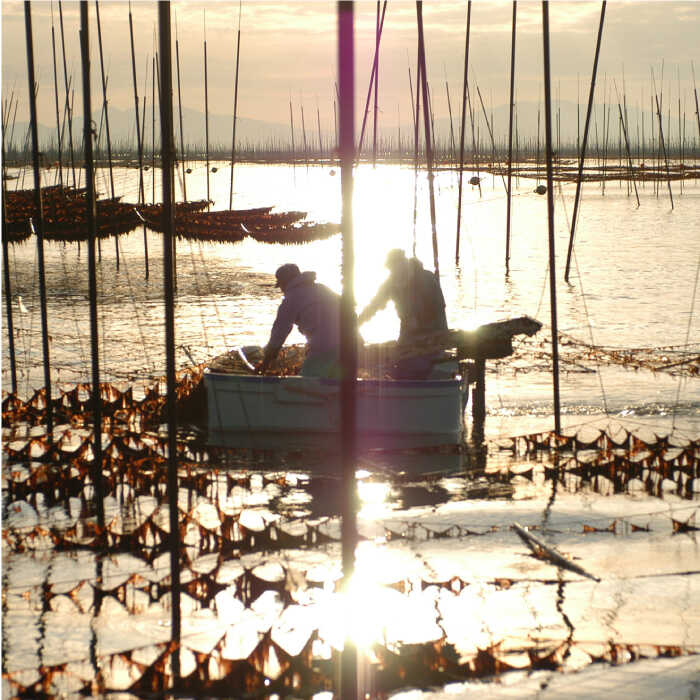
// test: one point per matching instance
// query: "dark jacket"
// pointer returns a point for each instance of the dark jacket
(315, 309)
(418, 299)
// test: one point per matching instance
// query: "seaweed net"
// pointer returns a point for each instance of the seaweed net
(577, 356)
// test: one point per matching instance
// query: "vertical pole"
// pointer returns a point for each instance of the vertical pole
(235, 109)
(510, 137)
(428, 141)
(291, 125)
(69, 107)
(92, 274)
(663, 146)
(139, 142)
(168, 159)
(373, 75)
(182, 138)
(303, 133)
(582, 155)
(318, 123)
(346, 77)
(38, 214)
(550, 217)
(629, 154)
(106, 111)
(8, 298)
(58, 116)
(206, 114)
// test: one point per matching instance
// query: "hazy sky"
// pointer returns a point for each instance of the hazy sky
(288, 51)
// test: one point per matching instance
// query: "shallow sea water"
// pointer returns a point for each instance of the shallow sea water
(439, 560)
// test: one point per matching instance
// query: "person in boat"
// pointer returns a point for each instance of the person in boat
(315, 309)
(420, 306)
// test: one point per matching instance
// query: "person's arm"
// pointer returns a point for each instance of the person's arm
(379, 301)
(281, 328)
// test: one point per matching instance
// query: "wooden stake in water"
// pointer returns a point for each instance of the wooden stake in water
(139, 142)
(179, 103)
(510, 136)
(348, 346)
(167, 160)
(92, 273)
(8, 293)
(372, 78)
(38, 220)
(428, 140)
(461, 133)
(106, 113)
(550, 217)
(69, 108)
(58, 115)
(582, 155)
(206, 110)
(235, 108)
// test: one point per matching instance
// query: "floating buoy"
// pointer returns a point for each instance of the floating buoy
(332, 172)
(214, 170)
(474, 180)
(188, 171)
(145, 167)
(540, 189)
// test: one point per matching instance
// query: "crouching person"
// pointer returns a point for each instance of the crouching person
(315, 309)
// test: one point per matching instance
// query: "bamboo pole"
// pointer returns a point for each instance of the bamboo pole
(105, 106)
(348, 407)
(168, 155)
(550, 218)
(38, 222)
(58, 115)
(92, 274)
(179, 103)
(139, 142)
(627, 147)
(8, 292)
(206, 110)
(428, 140)
(662, 141)
(510, 137)
(65, 82)
(582, 155)
(235, 108)
(372, 77)
(377, 37)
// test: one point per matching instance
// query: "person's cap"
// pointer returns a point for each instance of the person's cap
(285, 273)
(395, 255)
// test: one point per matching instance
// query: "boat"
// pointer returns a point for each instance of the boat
(244, 410)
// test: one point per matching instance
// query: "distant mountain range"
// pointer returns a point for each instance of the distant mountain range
(567, 128)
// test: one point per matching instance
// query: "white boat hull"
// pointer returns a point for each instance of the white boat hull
(392, 412)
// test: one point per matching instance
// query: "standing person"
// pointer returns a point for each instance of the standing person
(420, 306)
(315, 309)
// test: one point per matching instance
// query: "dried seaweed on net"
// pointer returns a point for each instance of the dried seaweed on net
(271, 671)
(578, 356)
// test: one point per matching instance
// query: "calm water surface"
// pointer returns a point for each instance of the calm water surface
(632, 286)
